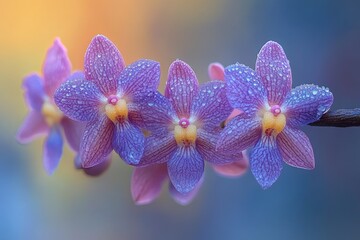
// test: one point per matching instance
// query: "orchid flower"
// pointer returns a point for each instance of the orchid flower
(272, 114)
(44, 116)
(107, 99)
(184, 125)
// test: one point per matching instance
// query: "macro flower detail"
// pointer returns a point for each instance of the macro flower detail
(184, 126)
(272, 114)
(44, 116)
(108, 100)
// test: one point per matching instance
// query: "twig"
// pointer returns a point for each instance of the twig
(339, 118)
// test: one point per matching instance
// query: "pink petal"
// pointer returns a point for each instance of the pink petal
(274, 69)
(295, 148)
(235, 169)
(185, 198)
(56, 68)
(146, 183)
(216, 71)
(96, 144)
(103, 64)
(73, 132)
(233, 114)
(181, 87)
(33, 126)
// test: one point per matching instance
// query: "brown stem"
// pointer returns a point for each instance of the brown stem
(339, 118)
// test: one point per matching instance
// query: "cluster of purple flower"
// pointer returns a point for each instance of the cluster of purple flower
(113, 107)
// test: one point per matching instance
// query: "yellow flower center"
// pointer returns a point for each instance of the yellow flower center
(273, 121)
(116, 109)
(185, 133)
(51, 113)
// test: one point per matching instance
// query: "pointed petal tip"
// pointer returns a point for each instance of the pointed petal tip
(216, 71)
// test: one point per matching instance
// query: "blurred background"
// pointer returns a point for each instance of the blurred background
(320, 37)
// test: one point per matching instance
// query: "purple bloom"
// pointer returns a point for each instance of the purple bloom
(44, 116)
(237, 168)
(108, 100)
(185, 125)
(273, 112)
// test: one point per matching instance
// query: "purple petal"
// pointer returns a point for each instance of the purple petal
(185, 169)
(185, 198)
(73, 132)
(211, 106)
(128, 142)
(295, 148)
(216, 71)
(53, 148)
(266, 162)
(96, 144)
(181, 87)
(306, 104)
(274, 69)
(139, 78)
(245, 90)
(146, 183)
(33, 126)
(76, 75)
(235, 169)
(98, 169)
(103, 64)
(56, 67)
(34, 91)
(78, 99)
(158, 149)
(239, 134)
(156, 112)
(206, 145)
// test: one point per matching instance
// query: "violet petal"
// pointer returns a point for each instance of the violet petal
(56, 67)
(210, 106)
(128, 142)
(79, 99)
(185, 198)
(266, 161)
(53, 147)
(33, 126)
(158, 149)
(96, 144)
(245, 90)
(185, 168)
(139, 78)
(295, 148)
(103, 64)
(73, 132)
(181, 87)
(306, 104)
(239, 134)
(274, 69)
(34, 91)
